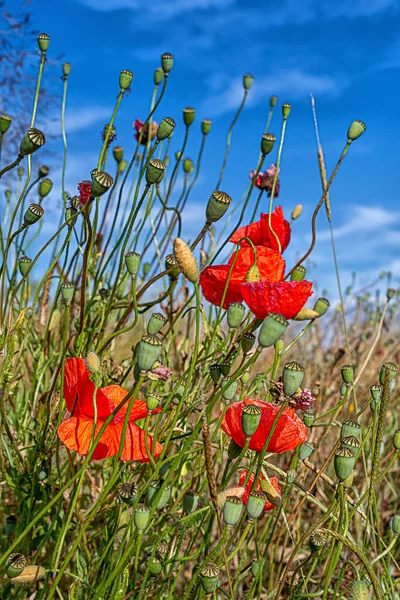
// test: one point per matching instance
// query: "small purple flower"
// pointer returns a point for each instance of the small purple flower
(159, 373)
(265, 180)
(303, 399)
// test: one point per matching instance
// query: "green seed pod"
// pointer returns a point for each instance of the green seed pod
(43, 171)
(218, 204)
(215, 373)
(153, 492)
(395, 524)
(306, 450)
(396, 440)
(267, 143)
(155, 323)
(45, 187)
(255, 567)
(350, 428)
(42, 470)
(178, 394)
(225, 368)
(141, 517)
(127, 491)
(188, 115)
(359, 591)
(273, 327)
(233, 450)
(191, 501)
(20, 172)
(101, 182)
(125, 79)
(209, 578)
(232, 510)
(206, 126)
(104, 293)
(15, 564)
(43, 41)
(155, 567)
(155, 171)
(70, 212)
(376, 392)
(292, 376)
(188, 166)
(248, 341)
(308, 418)
(321, 306)
(170, 263)
(149, 350)
(286, 108)
(255, 504)
(235, 314)
(167, 61)
(122, 166)
(118, 153)
(347, 374)
(390, 293)
(298, 274)
(350, 441)
(10, 525)
(158, 76)
(67, 292)
(245, 377)
(153, 401)
(33, 214)
(165, 128)
(162, 549)
(5, 122)
(317, 540)
(24, 263)
(229, 389)
(132, 262)
(247, 81)
(387, 367)
(291, 476)
(7, 194)
(66, 69)
(251, 417)
(356, 129)
(272, 101)
(32, 141)
(344, 463)
(343, 389)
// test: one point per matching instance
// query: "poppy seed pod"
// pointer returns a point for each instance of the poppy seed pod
(101, 182)
(104, 293)
(125, 79)
(149, 350)
(155, 566)
(155, 323)
(43, 171)
(248, 341)
(350, 428)
(356, 129)
(122, 166)
(396, 440)
(273, 327)
(298, 274)
(190, 501)
(248, 81)
(43, 41)
(70, 212)
(153, 401)
(171, 266)
(225, 368)
(15, 564)
(24, 263)
(32, 141)
(141, 517)
(185, 260)
(306, 450)
(235, 314)
(28, 575)
(229, 389)
(33, 214)
(245, 377)
(232, 510)
(118, 153)
(321, 306)
(395, 524)
(20, 172)
(218, 204)
(296, 212)
(350, 441)
(154, 171)
(343, 389)
(255, 504)
(308, 418)
(347, 374)
(188, 166)
(45, 187)
(7, 194)
(154, 496)
(390, 293)
(206, 126)
(267, 143)
(317, 540)
(272, 101)
(66, 69)
(215, 373)
(165, 128)
(292, 376)
(132, 262)
(389, 368)
(127, 491)
(158, 76)
(10, 525)
(286, 108)
(5, 122)
(189, 114)
(167, 61)
(209, 578)
(67, 292)
(344, 463)
(251, 417)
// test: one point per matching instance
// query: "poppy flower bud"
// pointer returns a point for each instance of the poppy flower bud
(165, 128)
(395, 524)
(248, 341)
(273, 327)
(229, 389)
(66, 69)
(232, 510)
(153, 492)
(306, 450)
(45, 187)
(206, 126)
(10, 525)
(185, 260)
(155, 171)
(390, 293)
(321, 306)
(32, 141)
(118, 153)
(24, 263)
(359, 590)
(298, 274)
(272, 101)
(158, 76)
(28, 575)
(255, 504)
(396, 440)
(190, 501)
(286, 108)
(389, 368)
(155, 566)
(5, 122)
(344, 463)
(233, 450)
(167, 61)
(245, 377)
(347, 374)
(251, 417)
(350, 428)
(20, 172)
(149, 350)
(122, 166)
(225, 368)
(343, 389)
(253, 274)
(267, 143)
(215, 373)
(127, 491)
(67, 292)
(178, 155)
(296, 212)
(15, 564)
(7, 194)
(125, 79)
(155, 323)
(317, 540)
(101, 182)
(170, 263)
(93, 363)
(153, 401)
(292, 377)
(273, 496)
(33, 214)
(308, 418)
(356, 129)
(141, 517)
(132, 262)
(43, 41)
(235, 314)
(189, 114)
(247, 81)
(188, 166)
(350, 441)
(218, 204)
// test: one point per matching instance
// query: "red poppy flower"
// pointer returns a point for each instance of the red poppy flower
(138, 125)
(289, 432)
(260, 232)
(213, 279)
(84, 188)
(76, 431)
(286, 297)
(249, 485)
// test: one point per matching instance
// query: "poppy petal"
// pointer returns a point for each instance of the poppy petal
(279, 225)
(270, 263)
(249, 485)
(251, 231)
(213, 281)
(79, 390)
(285, 297)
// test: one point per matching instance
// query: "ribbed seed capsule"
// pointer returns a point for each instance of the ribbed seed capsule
(67, 292)
(132, 262)
(251, 417)
(141, 517)
(232, 510)
(292, 377)
(155, 171)
(33, 214)
(344, 463)
(206, 126)
(189, 114)
(155, 323)
(66, 69)
(24, 263)
(298, 274)
(149, 350)
(125, 79)
(235, 314)
(376, 392)
(248, 81)
(255, 504)
(390, 368)
(229, 389)
(15, 564)
(45, 187)
(350, 441)
(29, 575)
(165, 128)
(209, 578)
(215, 373)
(347, 374)
(153, 401)
(218, 204)
(191, 501)
(5, 122)
(158, 76)
(273, 327)
(32, 141)
(154, 496)
(167, 61)
(101, 182)
(359, 591)
(350, 427)
(248, 341)
(104, 293)
(356, 129)
(171, 266)
(127, 491)
(225, 367)
(321, 306)
(267, 143)
(43, 41)
(306, 450)
(317, 540)
(309, 418)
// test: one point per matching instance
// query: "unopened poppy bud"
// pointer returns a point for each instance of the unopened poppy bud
(101, 182)
(15, 564)
(178, 155)
(350, 441)
(390, 293)
(165, 128)
(5, 122)
(292, 376)
(191, 501)
(343, 389)
(356, 129)
(395, 524)
(267, 143)
(24, 263)
(233, 450)
(286, 108)
(235, 314)
(32, 141)
(396, 440)
(8, 194)
(188, 166)
(188, 115)
(273, 496)
(306, 450)
(308, 418)
(66, 69)
(122, 166)
(272, 101)
(273, 327)
(185, 260)
(155, 323)
(228, 389)
(247, 81)
(149, 350)
(154, 496)
(218, 204)
(155, 566)
(248, 341)
(255, 504)
(206, 126)
(118, 153)
(45, 187)
(92, 362)
(132, 262)
(251, 417)
(20, 172)
(321, 306)
(232, 510)
(153, 401)
(158, 76)
(171, 266)
(141, 518)
(33, 214)
(209, 578)
(215, 373)
(344, 463)
(10, 525)
(127, 491)
(296, 212)
(317, 540)
(154, 171)
(350, 427)
(29, 575)
(225, 368)
(298, 274)
(254, 567)
(43, 41)
(43, 171)
(245, 377)
(389, 368)
(125, 79)
(67, 292)
(347, 374)
(359, 590)
(167, 61)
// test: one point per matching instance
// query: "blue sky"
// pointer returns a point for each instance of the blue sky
(346, 53)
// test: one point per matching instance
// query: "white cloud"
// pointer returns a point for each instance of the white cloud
(77, 119)
(158, 9)
(367, 219)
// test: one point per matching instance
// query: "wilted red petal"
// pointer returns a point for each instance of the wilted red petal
(261, 234)
(284, 297)
(249, 485)
(84, 188)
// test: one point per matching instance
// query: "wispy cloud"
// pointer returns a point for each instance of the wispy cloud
(77, 119)
(367, 219)
(158, 9)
